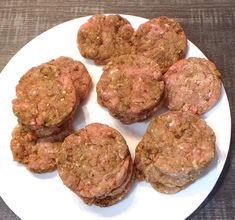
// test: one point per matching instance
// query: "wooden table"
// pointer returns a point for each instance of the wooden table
(208, 24)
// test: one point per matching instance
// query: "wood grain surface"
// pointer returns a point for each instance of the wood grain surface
(208, 24)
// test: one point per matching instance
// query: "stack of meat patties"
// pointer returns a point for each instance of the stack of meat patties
(96, 164)
(176, 148)
(47, 97)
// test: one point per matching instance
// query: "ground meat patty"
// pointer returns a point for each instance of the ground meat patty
(77, 72)
(104, 37)
(175, 150)
(95, 163)
(192, 85)
(161, 39)
(37, 154)
(46, 98)
(131, 87)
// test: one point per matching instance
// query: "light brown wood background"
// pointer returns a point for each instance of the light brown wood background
(208, 24)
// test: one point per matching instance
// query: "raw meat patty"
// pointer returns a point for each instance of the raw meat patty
(131, 87)
(77, 72)
(37, 154)
(175, 150)
(104, 37)
(95, 163)
(46, 98)
(161, 39)
(192, 85)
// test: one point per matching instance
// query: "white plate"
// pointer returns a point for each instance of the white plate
(33, 196)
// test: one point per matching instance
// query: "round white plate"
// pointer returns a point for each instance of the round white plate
(43, 196)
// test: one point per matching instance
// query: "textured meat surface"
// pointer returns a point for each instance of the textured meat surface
(192, 85)
(116, 194)
(166, 189)
(154, 175)
(104, 37)
(176, 148)
(45, 97)
(77, 72)
(161, 39)
(131, 87)
(94, 161)
(37, 154)
(51, 131)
